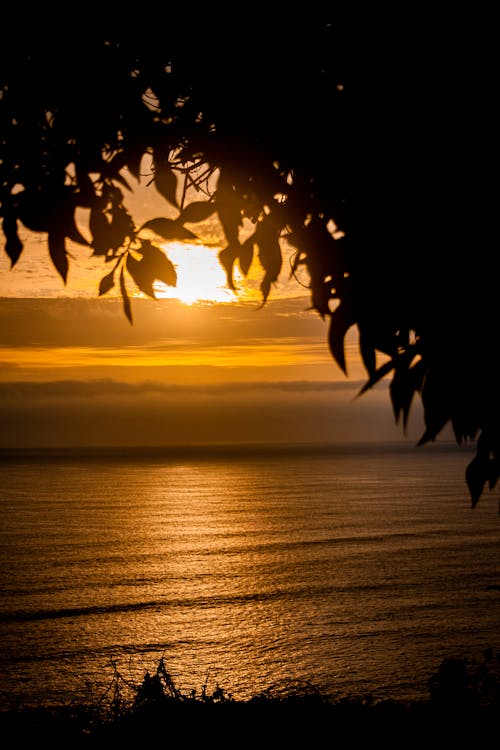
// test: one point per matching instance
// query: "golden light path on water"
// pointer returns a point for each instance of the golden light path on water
(354, 570)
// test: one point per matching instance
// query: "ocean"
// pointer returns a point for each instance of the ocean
(355, 569)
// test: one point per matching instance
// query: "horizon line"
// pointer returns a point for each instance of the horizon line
(212, 450)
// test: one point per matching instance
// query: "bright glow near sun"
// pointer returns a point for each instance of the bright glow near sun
(200, 276)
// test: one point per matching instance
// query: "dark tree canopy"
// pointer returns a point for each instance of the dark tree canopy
(367, 139)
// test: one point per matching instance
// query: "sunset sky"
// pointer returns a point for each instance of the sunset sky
(75, 372)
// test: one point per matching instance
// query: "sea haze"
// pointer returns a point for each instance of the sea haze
(355, 568)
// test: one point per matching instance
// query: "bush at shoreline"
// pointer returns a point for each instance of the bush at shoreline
(464, 701)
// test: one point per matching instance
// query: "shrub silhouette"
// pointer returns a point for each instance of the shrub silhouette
(463, 703)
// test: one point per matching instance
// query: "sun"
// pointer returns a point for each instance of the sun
(200, 276)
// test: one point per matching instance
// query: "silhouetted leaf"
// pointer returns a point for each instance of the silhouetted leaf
(142, 275)
(246, 253)
(476, 476)
(134, 156)
(164, 178)
(13, 245)
(270, 257)
(417, 376)
(168, 229)
(404, 384)
(494, 474)
(158, 263)
(399, 393)
(196, 211)
(107, 282)
(112, 194)
(321, 295)
(436, 407)
(229, 207)
(267, 239)
(126, 302)
(121, 227)
(110, 234)
(341, 320)
(57, 251)
(75, 235)
(379, 373)
(66, 221)
(367, 351)
(324, 257)
(153, 265)
(227, 258)
(464, 428)
(111, 168)
(100, 229)
(34, 212)
(85, 195)
(121, 179)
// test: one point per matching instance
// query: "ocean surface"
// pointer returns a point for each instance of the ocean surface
(355, 569)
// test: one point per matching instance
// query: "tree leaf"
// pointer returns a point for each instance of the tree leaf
(476, 476)
(436, 407)
(246, 254)
(142, 275)
(321, 294)
(121, 227)
(33, 212)
(165, 179)
(341, 320)
(157, 262)
(196, 211)
(107, 283)
(112, 194)
(121, 179)
(67, 224)
(168, 229)
(227, 258)
(405, 382)
(134, 156)
(75, 235)
(57, 251)
(126, 302)
(367, 351)
(111, 169)
(273, 259)
(416, 374)
(86, 191)
(380, 373)
(229, 206)
(100, 228)
(153, 265)
(494, 473)
(13, 245)
(267, 239)
(463, 426)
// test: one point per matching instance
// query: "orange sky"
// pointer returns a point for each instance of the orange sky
(75, 372)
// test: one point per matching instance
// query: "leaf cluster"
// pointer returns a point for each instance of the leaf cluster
(365, 140)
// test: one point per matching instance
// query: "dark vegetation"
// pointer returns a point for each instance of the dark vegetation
(367, 142)
(463, 703)
(364, 139)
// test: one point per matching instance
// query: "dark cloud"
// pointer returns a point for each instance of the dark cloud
(110, 413)
(107, 387)
(101, 323)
